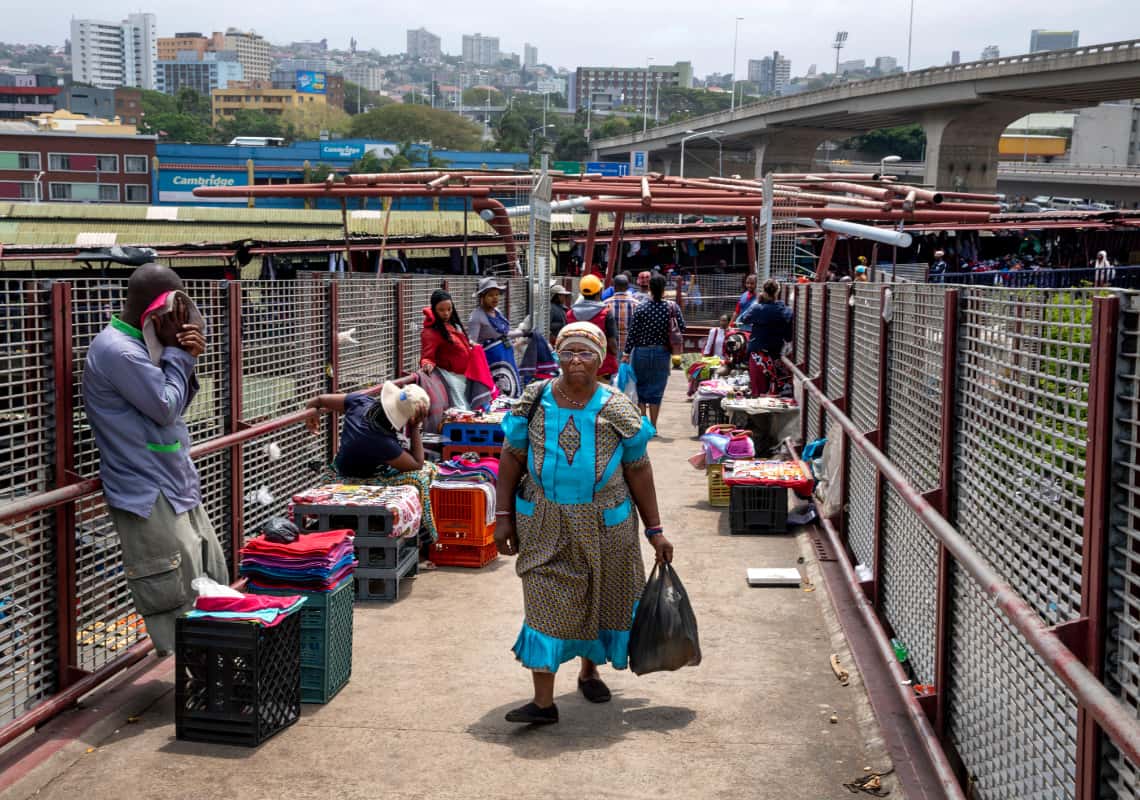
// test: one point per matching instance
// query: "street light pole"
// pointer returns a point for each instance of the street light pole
(1112, 150)
(645, 97)
(909, 35)
(887, 160)
(735, 38)
(697, 135)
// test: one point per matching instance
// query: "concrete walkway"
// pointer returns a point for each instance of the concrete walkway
(433, 675)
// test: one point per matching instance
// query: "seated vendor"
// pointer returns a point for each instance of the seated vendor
(370, 450)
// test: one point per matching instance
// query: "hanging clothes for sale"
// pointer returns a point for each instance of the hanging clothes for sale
(538, 361)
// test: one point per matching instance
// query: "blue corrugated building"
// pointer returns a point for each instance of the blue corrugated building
(184, 167)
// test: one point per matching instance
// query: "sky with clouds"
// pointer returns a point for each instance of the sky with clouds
(621, 32)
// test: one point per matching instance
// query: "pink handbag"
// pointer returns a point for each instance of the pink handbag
(740, 446)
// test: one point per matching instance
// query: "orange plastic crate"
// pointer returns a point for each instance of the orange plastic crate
(451, 451)
(463, 555)
(461, 511)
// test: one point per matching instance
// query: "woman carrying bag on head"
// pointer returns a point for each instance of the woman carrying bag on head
(573, 474)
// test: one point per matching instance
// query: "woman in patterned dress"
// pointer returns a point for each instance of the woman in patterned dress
(573, 469)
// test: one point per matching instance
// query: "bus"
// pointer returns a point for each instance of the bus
(257, 141)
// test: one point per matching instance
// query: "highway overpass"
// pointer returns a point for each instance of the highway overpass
(963, 108)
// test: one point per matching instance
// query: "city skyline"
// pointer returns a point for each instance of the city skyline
(666, 35)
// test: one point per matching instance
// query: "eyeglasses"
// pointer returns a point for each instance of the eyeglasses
(585, 356)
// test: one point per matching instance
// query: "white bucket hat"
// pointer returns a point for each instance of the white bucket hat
(402, 403)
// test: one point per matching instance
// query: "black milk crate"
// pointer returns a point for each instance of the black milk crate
(361, 520)
(758, 509)
(710, 413)
(382, 552)
(236, 682)
(384, 584)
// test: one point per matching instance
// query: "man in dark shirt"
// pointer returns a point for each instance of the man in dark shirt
(368, 429)
(557, 308)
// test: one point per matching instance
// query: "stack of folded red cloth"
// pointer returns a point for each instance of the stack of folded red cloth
(314, 562)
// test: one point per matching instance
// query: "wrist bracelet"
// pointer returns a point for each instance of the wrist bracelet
(503, 513)
(651, 532)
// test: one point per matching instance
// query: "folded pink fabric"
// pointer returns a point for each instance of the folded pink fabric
(245, 603)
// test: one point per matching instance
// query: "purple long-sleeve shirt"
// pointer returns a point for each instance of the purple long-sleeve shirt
(135, 409)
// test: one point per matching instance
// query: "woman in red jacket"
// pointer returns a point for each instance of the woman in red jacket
(443, 342)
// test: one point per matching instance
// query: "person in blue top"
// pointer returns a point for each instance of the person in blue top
(771, 326)
(573, 473)
(744, 303)
(136, 407)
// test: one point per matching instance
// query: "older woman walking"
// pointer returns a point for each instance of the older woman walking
(648, 342)
(573, 468)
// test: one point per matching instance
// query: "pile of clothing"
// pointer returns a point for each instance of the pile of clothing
(475, 417)
(258, 609)
(315, 562)
(402, 502)
(468, 473)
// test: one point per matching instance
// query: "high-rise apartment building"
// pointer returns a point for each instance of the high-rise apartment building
(530, 55)
(992, 51)
(170, 46)
(480, 50)
(770, 73)
(605, 88)
(252, 51)
(424, 44)
(955, 57)
(885, 65)
(365, 75)
(110, 54)
(1042, 40)
(211, 71)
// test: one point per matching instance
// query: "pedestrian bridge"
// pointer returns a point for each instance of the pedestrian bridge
(981, 474)
(963, 109)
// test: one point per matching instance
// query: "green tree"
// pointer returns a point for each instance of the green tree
(612, 126)
(571, 144)
(908, 141)
(247, 122)
(408, 123)
(676, 103)
(477, 96)
(189, 101)
(177, 127)
(513, 133)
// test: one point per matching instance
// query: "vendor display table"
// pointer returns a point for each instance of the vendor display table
(770, 419)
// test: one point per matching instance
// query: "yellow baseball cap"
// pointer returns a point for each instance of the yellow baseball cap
(590, 285)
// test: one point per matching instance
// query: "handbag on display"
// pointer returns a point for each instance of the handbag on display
(740, 446)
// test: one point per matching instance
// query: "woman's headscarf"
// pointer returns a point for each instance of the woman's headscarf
(583, 333)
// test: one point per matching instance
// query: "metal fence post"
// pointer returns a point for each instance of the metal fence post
(1094, 567)
(67, 671)
(819, 381)
(880, 441)
(400, 334)
(941, 501)
(234, 424)
(805, 356)
(844, 405)
(333, 371)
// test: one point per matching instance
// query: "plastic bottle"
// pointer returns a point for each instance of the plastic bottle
(901, 652)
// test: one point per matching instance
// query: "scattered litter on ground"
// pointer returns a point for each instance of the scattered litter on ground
(774, 576)
(840, 673)
(871, 784)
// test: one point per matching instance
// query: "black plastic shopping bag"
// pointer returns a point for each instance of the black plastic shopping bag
(664, 635)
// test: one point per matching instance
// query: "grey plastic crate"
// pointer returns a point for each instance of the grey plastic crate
(362, 520)
(384, 584)
(382, 552)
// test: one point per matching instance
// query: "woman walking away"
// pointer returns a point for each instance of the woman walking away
(573, 468)
(771, 323)
(491, 329)
(745, 302)
(648, 342)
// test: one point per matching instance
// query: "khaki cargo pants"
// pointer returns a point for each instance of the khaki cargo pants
(161, 556)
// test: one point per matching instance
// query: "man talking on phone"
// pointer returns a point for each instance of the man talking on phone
(135, 397)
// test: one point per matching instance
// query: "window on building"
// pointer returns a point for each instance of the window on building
(16, 161)
(135, 164)
(138, 193)
(17, 190)
(84, 192)
(81, 162)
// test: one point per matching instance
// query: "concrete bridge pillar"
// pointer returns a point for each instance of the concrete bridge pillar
(789, 149)
(962, 145)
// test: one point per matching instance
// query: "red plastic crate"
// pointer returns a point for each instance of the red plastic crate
(466, 537)
(463, 555)
(451, 451)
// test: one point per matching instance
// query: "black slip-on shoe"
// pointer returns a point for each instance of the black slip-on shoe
(594, 690)
(531, 714)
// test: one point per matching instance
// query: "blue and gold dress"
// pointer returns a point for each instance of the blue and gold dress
(579, 548)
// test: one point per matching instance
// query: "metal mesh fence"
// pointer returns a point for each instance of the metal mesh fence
(367, 310)
(1122, 668)
(863, 408)
(1022, 407)
(27, 558)
(834, 383)
(913, 441)
(1011, 720)
(815, 358)
(284, 354)
(519, 301)
(707, 297)
(802, 322)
